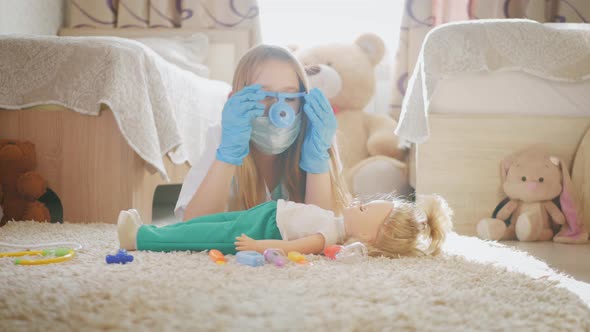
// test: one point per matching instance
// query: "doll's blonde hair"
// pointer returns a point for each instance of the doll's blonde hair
(248, 188)
(413, 229)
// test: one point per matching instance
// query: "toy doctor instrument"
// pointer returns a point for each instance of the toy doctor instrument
(348, 253)
(59, 254)
(275, 256)
(217, 257)
(297, 257)
(250, 257)
(282, 114)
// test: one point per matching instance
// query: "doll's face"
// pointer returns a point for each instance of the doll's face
(363, 221)
(531, 179)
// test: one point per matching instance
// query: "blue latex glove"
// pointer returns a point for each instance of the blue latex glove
(236, 123)
(321, 129)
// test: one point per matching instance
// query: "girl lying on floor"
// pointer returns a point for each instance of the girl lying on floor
(390, 228)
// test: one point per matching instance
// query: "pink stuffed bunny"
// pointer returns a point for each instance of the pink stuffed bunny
(533, 179)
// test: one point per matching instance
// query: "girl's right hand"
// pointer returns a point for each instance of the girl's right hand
(236, 123)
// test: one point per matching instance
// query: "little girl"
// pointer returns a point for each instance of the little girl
(390, 228)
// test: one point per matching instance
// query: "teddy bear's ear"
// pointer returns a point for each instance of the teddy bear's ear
(373, 46)
(293, 47)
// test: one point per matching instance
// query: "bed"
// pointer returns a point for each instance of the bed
(461, 118)
(95, 158)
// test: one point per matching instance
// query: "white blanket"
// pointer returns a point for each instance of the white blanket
(489, 46)
(159, 107)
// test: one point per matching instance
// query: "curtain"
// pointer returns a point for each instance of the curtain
(186, 14)
(420, 16)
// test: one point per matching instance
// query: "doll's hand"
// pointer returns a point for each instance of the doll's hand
(244, 242)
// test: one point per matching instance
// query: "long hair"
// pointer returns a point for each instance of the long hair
(413, 229)
(249, 190)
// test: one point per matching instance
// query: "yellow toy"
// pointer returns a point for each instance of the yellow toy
(60, 255)
(56, 255)
(296, 257)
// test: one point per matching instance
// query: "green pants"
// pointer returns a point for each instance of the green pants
(215, 231)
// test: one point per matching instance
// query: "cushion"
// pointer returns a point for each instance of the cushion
(188, 53)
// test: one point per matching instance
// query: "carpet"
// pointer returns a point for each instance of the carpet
(474, 285)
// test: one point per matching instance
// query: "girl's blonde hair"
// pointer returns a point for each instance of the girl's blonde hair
(248, 188)
(413, 229)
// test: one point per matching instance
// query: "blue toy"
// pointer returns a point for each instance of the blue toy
(280, 113)
(251, 258)
(122, 257)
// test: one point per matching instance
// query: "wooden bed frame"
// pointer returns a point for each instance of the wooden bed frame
(86, 160)
(460, 160)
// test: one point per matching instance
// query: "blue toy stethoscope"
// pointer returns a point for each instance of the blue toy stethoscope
(282, 114)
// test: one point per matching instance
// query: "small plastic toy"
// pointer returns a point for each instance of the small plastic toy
(282, 114)
(275, 256)
(251, 258)
(122, 257)
(217, 257)
(348, 253)
(296, 257)
(60, 255)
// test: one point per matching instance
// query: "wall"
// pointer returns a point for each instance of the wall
(42, 17)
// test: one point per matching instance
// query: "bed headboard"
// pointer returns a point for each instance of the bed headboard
(225, 46)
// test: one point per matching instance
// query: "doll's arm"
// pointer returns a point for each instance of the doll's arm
(312, 244)
(554, 212)
(507, 210)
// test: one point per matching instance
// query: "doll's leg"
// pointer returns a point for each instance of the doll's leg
(211, 232)
(127, 225)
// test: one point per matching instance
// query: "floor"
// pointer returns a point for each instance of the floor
(573, 260)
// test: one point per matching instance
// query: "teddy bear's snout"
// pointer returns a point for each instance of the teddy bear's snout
(324, 78)
(532, 185)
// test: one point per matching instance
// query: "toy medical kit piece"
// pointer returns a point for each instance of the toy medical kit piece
(275, 256)
(296, 257)
(122, 257)
(251, 258)
(282, 114)
(332, 250)
(217, 256)
(59, 255)
(350, 252)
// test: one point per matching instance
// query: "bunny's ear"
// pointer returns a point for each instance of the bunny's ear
(505, 166)
(568, 203)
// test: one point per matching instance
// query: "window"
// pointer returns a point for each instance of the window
(309, 22)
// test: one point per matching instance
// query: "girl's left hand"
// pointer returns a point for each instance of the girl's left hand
(320, 131)
(244, 242)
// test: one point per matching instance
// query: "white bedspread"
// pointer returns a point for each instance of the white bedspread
(159, 107)
(490, 46)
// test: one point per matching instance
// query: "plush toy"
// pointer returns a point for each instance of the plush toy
(21, 186)
(540, 201)
(368, 147)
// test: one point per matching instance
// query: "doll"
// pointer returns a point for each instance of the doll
(388, 227)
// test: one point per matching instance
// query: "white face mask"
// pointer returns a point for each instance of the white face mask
(270, 139)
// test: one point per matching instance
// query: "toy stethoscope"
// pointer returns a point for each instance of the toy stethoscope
(62, 254)
(280, 113)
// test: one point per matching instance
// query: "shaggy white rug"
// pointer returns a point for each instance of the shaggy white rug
(186, 291)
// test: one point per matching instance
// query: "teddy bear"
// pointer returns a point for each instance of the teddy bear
(21, 185)
(540, 206)
(372, 160)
